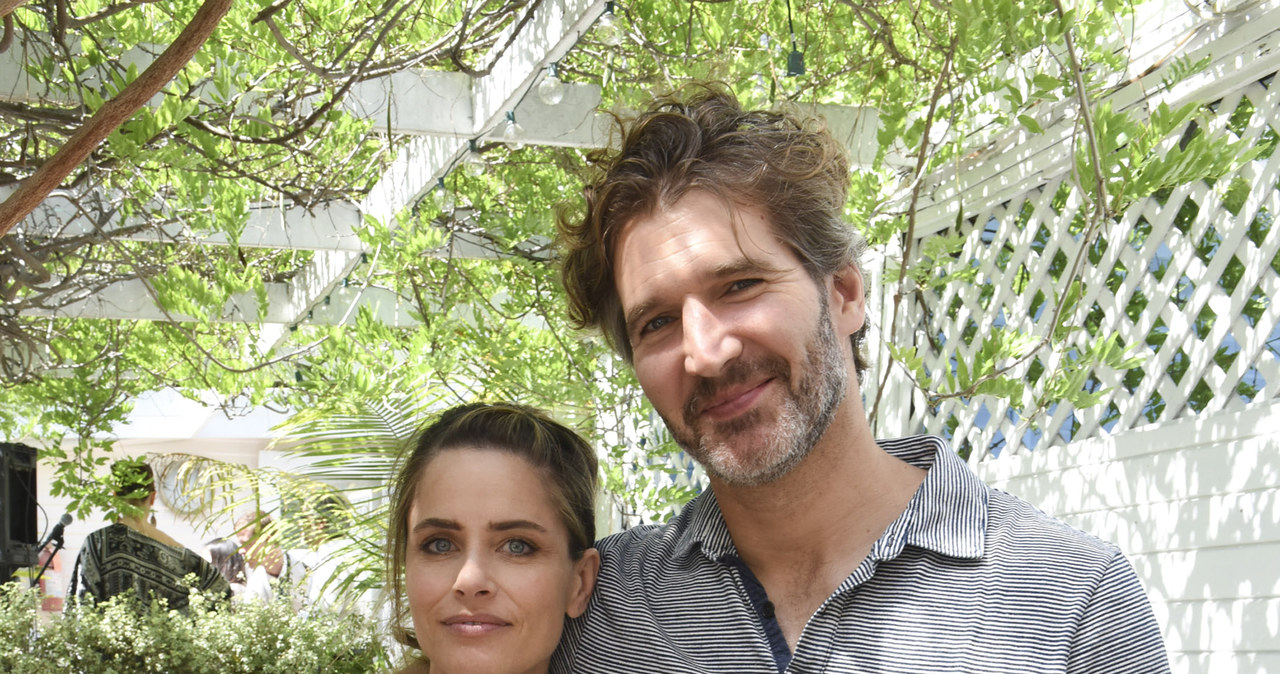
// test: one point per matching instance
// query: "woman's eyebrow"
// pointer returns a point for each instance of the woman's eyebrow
(509, 525)
(437, 523)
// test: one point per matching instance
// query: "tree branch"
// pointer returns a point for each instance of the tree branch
(113, 113)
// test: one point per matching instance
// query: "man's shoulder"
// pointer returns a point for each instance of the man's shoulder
(653, 552)
(959, 511)
(640, 547)
(1017, 529)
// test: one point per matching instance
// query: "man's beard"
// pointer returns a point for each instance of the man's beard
(801, 420)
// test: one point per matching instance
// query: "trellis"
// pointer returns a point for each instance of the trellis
(1184, 278)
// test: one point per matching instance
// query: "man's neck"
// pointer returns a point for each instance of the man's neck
(805, 533)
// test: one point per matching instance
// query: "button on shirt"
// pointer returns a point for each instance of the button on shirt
(966, 579)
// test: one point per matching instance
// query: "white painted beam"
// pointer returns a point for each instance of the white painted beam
(19, 86)
(554, 27)
(421, 162)
(132, 301)
(330, 226)
(551, 31)
(436, 103)
(573, 122)
(854, 126)
(415, 101)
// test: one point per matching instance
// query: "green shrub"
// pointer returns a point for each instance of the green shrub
(120, 637)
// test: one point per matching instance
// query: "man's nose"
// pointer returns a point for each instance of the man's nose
(709, 344)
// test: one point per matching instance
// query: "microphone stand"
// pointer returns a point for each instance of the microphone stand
(57, 545)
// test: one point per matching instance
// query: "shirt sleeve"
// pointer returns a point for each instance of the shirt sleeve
(209, 578)
(87, 570)
(1118, 632)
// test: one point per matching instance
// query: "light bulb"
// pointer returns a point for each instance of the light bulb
(474, 163)
(551, 89)
(607, 29)
(513, 133)
(442, 198)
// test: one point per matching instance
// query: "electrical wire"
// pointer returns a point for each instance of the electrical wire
(791, 27)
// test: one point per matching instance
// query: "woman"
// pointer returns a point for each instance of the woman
(224, 554)
(133, 554)
(491, 529)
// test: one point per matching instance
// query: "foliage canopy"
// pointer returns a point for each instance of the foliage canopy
(257, 118)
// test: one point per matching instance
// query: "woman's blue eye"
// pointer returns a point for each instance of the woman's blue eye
(438, 546)
(516, 546)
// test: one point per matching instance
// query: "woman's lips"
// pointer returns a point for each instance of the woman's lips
(474, 625)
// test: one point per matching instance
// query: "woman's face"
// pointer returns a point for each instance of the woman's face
(487, 569)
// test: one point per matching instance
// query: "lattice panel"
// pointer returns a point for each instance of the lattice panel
(1185, 278)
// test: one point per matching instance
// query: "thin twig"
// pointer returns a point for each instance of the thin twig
(909, 236)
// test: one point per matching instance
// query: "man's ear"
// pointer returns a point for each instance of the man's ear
(585, 571)
(848, 300)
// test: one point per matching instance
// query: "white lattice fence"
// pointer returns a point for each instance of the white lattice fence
(1184, 278)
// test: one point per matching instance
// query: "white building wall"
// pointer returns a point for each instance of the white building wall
(1195, 504)
(161, 423)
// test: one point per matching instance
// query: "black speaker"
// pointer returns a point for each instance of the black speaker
(18, 534)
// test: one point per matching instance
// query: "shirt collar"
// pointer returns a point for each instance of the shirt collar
(947, 514)
(705, 529)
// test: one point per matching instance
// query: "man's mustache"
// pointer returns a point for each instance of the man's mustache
(708, 389)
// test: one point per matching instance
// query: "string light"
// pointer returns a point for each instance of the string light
(442, 198)
(551, 89)
(513, 133)
(474, 163)
(795, 60)
(607, 29)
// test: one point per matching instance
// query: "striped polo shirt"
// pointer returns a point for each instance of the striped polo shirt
(967, 579)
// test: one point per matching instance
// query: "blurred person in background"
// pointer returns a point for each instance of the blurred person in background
(224, 554)
(132, 554)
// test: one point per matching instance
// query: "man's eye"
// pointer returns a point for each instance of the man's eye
(655, 324)
(438, 546)
(743, 284)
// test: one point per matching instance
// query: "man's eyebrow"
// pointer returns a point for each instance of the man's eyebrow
(735, 267)
(436, 523)
(742, 265)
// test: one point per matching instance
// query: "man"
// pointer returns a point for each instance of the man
(713, 258)
(267, 565)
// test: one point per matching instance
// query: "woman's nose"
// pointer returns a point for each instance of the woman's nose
(474, 578)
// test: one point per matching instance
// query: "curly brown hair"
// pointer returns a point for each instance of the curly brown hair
(700, 138)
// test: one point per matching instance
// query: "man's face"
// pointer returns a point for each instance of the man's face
(733, 341)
